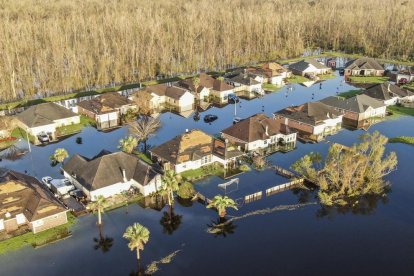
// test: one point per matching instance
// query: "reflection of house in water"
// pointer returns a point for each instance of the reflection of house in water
(106, 109)
(307, 83)
(260, 132)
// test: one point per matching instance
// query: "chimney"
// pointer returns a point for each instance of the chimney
(267, 130)
(124, 176)
(286, 121)
(388, 87)
(186, 130)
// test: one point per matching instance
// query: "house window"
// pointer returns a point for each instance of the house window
(205, 159)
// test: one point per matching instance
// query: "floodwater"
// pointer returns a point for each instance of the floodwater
(290, 236)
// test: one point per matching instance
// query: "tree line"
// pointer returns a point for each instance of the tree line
(57, 46)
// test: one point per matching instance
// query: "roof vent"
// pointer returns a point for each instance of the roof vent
(186, 130)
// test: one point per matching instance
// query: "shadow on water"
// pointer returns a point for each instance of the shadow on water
(221, 227)
(103, 242)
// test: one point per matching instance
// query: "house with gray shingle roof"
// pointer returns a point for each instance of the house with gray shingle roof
(313, 120)
(358, 111)
(389, 94)
(46, 118)
(363, 67)
(309, 68)
(245, 82)
(260, 132)
(109, 174)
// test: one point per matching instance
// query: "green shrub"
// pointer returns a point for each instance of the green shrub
(186, 190)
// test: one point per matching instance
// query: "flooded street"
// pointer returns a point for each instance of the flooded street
(295, 238)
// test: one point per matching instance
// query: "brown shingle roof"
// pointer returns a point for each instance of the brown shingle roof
(206, 81)
(173, 92)
(107, 102)
(23, 194)
(185, 147)
(254, 128)
(357, 104)
(386, 91)
(363, 63)
(313, 113)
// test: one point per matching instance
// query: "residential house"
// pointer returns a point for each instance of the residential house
(245, 82)
(309, 68)
(260, 132)
(107, 109)
(26, 204)
(209, 87)
(46, 118)
(187, 151)
(164, 96)
(389, 94)
(312, 120)
(357, 111)
(109, 174)
(363, 67)
(405, 76)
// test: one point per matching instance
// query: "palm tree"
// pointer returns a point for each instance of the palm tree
(170, 185)
(143, 128)
(98, 206)
(60, 155)
(128, 144)
(138, 236)
(221, 204)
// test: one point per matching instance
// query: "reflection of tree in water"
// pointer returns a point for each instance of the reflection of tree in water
(221, 227)
(304, 195)
(170, 222)
(363, 206)
(103, 243)
(184, 202)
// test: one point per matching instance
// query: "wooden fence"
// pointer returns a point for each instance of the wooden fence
(253, 197)
(279, 188)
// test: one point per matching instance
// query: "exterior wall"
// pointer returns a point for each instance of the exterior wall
(328, 127)
(301, 127)
(68, 121)
(192, 165)
(152, 187)
(37, 130)
(222, 95)
(186, 102)
(86, 112)
(107, 120)
(157, 101)
(111, 190)
(1, 225)
(392, 101)
(365, 72)
(205, 92)
(277, 80)
(48, 222)
(10, 225)
(371, 112)
(76, 184)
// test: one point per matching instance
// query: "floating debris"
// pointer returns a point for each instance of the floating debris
(153, 267)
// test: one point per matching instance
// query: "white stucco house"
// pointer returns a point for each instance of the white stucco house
(46, 118)
(109, 174)
(165, 96)
(245, 82)
(260, 132)
(309, 67)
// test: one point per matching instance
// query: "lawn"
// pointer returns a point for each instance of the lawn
(75, 128)
(402, 139)
(400, 110)
(192, 175)
(20, 133)
(38, 239)
(326, 76)
(297, 79)
(270, 87)
(369, 79)
(350, 93)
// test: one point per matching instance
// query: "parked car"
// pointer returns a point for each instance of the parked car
(232, 98)
(46, 180)
(43, 137)
(403, 81)
(210, 118)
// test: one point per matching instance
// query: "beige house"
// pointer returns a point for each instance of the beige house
(46, 118)
(363, 67)
(110, 174)
(106, 109)
(389, 94)
(309, 68)
(209, 87)
(167, 96)
(26, 204)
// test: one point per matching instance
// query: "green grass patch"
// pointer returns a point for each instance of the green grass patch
(75, 128)
(38, 239)
(402, 139)
(144, 156)
(326, 76)
(400, 110)
(21, 133)
(350, 93)
(368, 79)
(270, 87)
(193, 175)
(297, 79)
(6, 144)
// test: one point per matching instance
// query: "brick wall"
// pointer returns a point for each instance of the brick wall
(49, 222)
